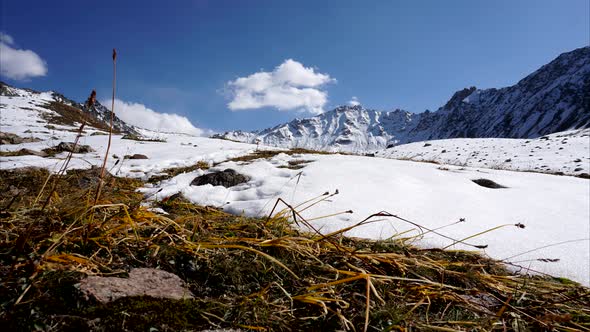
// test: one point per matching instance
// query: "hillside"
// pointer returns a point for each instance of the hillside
(52, 108)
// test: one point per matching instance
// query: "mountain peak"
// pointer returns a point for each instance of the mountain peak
(343, 108)
(458, 97)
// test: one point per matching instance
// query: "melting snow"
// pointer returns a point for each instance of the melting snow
(554, 209)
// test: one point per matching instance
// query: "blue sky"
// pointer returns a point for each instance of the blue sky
(181, 57)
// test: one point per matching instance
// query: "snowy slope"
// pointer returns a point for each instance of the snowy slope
(554, 209)
(428, 194)
(554, 98)
(54, 108)
(565, 152)
(27, 113)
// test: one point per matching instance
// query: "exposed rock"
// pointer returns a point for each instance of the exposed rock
(68, 147)
(9, 138)
(136, 156)
(227, 178)
(141, 282)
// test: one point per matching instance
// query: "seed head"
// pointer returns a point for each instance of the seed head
(92, 99)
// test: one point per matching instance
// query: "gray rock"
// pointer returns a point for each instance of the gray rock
(141, 282)
(227, 178)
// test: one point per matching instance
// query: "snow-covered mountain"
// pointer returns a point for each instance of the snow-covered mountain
(57, 109)
(350, 128)
(554, 98)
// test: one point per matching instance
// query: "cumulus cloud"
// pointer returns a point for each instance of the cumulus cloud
(290, 86)
(141, 116)
(19, 64)
(354, 101)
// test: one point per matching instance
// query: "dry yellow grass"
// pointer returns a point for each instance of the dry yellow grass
(252, 274)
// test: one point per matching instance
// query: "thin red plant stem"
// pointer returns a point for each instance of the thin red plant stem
(106, 155)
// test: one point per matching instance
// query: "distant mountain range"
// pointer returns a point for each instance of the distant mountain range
(554, 98)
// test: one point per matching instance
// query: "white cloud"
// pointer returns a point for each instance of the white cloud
(4, 38)
(289, 86)
(354, 101)
(18, 64)
(139, 115)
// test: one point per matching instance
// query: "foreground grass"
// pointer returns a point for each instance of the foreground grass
(251, 274)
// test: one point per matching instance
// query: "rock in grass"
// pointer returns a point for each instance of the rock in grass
(227, 178)
(141, 282)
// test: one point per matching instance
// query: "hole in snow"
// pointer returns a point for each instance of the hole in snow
(488, 183)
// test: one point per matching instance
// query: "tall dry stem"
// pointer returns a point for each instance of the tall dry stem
(89, 104)
(106, 155)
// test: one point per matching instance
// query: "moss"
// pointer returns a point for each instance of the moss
(172, 172)
(565, 281)
(145, 313)
(265, 154)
